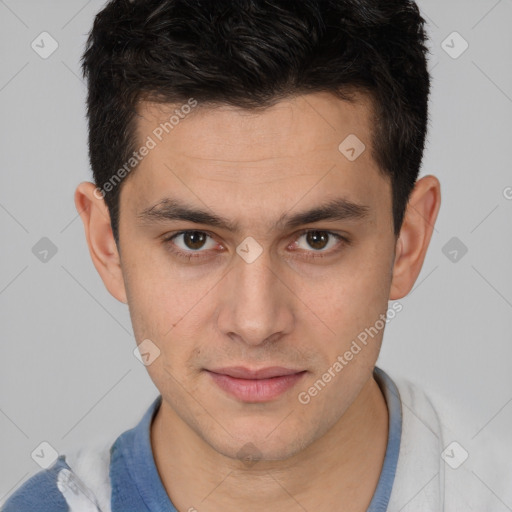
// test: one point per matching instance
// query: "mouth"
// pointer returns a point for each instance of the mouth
(256, 385)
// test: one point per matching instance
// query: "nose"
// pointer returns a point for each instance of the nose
(256, 307)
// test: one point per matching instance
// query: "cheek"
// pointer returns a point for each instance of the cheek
(352, 304)
(159, 296)
(357, 295)
(168, 310)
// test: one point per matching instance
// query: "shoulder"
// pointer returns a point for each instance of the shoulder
(418, 482)
(91, 464)
(442, 464)
(40, 492)
(78, 481)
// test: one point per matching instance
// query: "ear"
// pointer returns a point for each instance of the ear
(102, 246)
(412, 244)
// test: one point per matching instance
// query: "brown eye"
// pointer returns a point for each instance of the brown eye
(317, 239)
(191, 241)
(314, 244)
(194, 239)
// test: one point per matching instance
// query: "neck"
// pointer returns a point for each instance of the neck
(339, 471)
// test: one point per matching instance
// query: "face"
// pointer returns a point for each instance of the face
(249, 241)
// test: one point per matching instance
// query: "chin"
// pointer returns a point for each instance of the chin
(259, 444)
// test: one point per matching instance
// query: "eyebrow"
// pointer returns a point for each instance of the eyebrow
(169, 209)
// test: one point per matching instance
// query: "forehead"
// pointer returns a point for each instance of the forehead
(292, 127)
(269, 158)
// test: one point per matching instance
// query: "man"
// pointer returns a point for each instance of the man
(256, 203)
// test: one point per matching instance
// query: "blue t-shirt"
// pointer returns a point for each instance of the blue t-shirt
(135, 481)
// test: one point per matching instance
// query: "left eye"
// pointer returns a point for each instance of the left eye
(192, 240)
(319, 241)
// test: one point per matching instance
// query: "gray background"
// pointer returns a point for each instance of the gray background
(67, 371)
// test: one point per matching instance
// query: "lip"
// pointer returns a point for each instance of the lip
(256, 385)
(240, 372)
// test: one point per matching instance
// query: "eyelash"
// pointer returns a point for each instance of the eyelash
(197, 255)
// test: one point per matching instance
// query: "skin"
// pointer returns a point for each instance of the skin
(282, 309)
